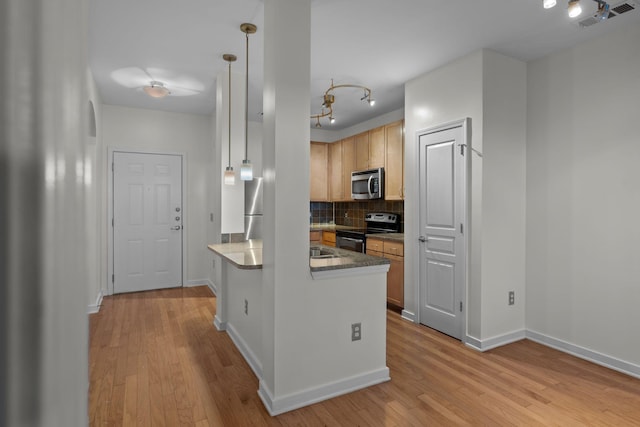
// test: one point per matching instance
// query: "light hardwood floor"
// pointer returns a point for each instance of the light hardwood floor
(157, 360)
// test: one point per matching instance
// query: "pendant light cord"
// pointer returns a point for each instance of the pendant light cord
(246, 101)
(229, 164)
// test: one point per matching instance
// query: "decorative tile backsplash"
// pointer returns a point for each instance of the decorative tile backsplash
(352, 213)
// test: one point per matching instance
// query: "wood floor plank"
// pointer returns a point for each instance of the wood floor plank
(156, 359)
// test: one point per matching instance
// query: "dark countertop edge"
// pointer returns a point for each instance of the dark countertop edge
(358, 260)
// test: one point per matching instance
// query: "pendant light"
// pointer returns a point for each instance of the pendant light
(574, 9)
(246, 170)
(229, 174)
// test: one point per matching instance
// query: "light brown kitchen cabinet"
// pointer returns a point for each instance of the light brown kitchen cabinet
(336, 184)
(315, 237)
(348, 166)
(394, 161)
(376, 148)
(362, 151)
(329, 238)
(394, 252)
(318, 168)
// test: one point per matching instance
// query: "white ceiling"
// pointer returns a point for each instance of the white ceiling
(377, 43)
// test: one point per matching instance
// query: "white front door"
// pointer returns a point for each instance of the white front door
(147, 221)
(442, 217)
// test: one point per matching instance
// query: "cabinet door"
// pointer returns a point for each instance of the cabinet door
(329, 238)
(394, 161)
(336, 186)
(393, 248)
(348, 166)
(315, 237)
(362, 151)
(374, 253)
(318, 171)
(395, 280)
(377, 147)
(375, 245)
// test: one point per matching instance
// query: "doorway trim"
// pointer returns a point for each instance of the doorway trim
(465, 124)
(109, 216)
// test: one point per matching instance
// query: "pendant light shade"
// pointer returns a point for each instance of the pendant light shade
(548, 4)
(229, 174)
(246, 170)
(574, 9)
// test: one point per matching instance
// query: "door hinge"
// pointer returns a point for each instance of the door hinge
(460, 306)
(462, 149)
(112, 167)
(461, 228)
(113, 278)
(112, 223)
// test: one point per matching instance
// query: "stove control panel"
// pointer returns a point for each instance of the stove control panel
(381, 217)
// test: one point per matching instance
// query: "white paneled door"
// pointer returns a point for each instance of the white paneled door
(147, 221)
(442, 217)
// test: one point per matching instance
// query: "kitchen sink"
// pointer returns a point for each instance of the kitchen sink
(321, 253)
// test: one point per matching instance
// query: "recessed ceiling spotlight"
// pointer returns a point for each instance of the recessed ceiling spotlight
(574, 9)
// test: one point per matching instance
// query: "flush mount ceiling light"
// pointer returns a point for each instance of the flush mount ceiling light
(328, 99)
(246, 170)
(229, 174)
(156, 89)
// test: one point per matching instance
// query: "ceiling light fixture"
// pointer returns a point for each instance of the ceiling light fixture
(574, 9)
(548, 4)
(156, 90)
(229, 174)
(246, 170)
(328, 99)
(603, 11)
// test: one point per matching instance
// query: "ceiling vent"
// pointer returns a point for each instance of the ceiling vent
(618, 9)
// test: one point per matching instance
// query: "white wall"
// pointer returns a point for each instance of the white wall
(490, 89)
(44, 186)
(583, 196)
(95, 205)
(134, 129)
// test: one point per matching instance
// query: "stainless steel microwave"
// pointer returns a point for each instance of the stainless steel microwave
(368, 184)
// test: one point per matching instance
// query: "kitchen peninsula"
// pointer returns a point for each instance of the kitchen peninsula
(346, 289)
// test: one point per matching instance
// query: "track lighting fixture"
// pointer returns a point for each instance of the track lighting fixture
(328, 99)
(574, 9)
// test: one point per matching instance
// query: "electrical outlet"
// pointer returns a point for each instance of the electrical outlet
(356, 331)
(512, 297)
(246, 307)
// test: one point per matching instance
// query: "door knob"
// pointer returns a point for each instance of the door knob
(423, 239)
(177, 227)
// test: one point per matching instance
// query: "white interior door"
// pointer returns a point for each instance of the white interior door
(442, 216)
(147, 221)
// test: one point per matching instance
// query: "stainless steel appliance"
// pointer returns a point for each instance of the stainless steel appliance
(377, 222)
(368, 184)
(253, 209)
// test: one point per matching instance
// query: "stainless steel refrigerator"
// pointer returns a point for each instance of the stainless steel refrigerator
(253, 209)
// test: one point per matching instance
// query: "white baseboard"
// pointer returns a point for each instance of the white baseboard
(245, 350)
(586, 354)
(95, 308)
(276, 406)
(407, 315)
(220, 325)
(493, 342)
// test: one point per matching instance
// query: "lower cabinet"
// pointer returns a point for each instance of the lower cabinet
(329, 238)
(394, 252)
(315, 237)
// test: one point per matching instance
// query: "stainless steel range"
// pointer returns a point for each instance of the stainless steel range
(377, 222)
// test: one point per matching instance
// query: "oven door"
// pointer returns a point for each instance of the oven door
(350, 243)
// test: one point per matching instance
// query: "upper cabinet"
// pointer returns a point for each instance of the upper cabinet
(394, 161)
(336, 183)
(332, 164)
(362, 151)
(319, 167)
